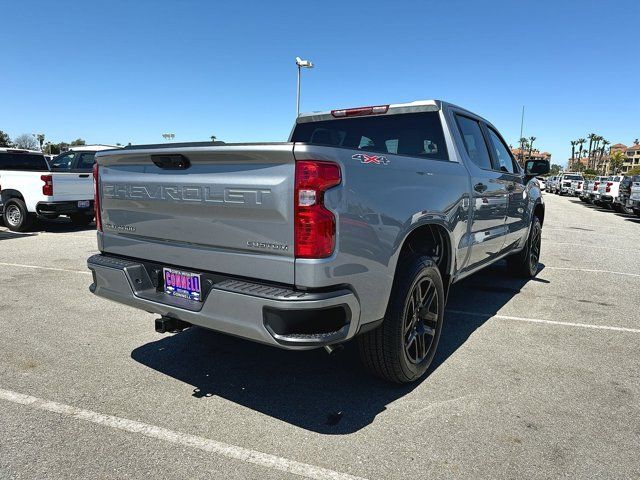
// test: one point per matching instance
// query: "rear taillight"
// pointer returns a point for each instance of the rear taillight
(595, 185)
(608, 187)
(47, 188)
(96, 197)
(315, 226)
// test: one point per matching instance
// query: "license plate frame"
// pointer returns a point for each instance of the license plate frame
(84, 203)
(182, 284)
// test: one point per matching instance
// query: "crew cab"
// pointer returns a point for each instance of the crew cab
(564, 182)
(355, 227)
(608, 190)
(30, 188)
(634, 195)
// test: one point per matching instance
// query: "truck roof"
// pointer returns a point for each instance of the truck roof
(393, 108)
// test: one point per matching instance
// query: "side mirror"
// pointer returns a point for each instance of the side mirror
(534, 168)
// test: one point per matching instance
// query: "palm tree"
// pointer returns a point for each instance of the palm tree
(591, 136)
(581, 142)
(573, 149)
(523, 145)
(531, 140)
(213, 138)
(603, 148)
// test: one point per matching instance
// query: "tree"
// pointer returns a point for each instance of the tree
(573, 150)
(616, 161)
(580, 142)
(26, 141)
(531, 140)
(591, 136)
(634, 171)
(213, 138)
(40, 138)
(555, 169)
(5, 140)
(590, 171)
(77, 142)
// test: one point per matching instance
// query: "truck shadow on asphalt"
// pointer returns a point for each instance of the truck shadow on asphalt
(328, 394)
(58, 225)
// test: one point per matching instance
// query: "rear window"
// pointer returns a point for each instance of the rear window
(415, 134)
(23, 161)
(572, 177)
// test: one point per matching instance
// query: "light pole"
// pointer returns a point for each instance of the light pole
(301, 64)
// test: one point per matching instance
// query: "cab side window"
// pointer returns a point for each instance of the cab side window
(64, 161)
(501, 155)
(474, 141)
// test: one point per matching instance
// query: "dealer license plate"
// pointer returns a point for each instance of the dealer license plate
(182, 284)
(84, 203)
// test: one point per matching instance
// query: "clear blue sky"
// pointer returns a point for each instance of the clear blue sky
(127, 71)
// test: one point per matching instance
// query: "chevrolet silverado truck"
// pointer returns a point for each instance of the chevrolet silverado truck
(355, 227)
(30, 188)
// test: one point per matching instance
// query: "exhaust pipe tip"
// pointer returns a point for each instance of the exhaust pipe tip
(333, 348)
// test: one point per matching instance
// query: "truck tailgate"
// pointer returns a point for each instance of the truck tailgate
(230, 211)
(72, 186)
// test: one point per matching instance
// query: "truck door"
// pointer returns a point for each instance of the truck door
(516, 218)
(489, 198)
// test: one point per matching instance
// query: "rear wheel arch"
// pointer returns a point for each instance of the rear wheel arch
(9, 193)
(434, 241)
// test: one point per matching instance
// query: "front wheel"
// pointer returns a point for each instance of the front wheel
(402, 348)
(16, 216)
(525, 262)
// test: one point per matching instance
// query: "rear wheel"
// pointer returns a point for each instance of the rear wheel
(525, 262)
(636, 211)
(81, 220)
(402, 348)
(625, 209)
(16, 216)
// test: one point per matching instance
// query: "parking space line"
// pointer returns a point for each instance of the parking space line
(548, 242)
(19, 265)
(211, 446)
(548, 322)
(593, 270)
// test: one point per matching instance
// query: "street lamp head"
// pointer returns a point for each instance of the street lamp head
(304, 63)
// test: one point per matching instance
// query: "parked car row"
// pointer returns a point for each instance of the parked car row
(616, 192)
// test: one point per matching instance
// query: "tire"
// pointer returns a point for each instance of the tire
(16, 217)
(80, 219)
(625, 209)
(637, 211)
(401, 349)
(525, 263)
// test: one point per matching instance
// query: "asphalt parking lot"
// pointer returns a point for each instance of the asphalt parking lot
(537, 379)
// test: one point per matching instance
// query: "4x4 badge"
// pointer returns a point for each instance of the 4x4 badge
(376, 159)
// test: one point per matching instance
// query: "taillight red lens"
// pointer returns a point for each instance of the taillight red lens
(608, 187)
(595, 185)
(96, 196)
(315, 226)
(47, 188)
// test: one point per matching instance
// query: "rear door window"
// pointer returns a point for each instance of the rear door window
(86, 161)
(63, 161)
(414, 134)
(474, 141)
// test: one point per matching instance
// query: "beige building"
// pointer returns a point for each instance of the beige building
(632, 158)
(535, 155)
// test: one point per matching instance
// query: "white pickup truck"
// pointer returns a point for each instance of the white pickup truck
(29, 188)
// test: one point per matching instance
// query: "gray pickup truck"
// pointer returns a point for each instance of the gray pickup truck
(356, 227)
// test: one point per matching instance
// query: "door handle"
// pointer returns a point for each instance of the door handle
(480, 187)
(84, 175)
